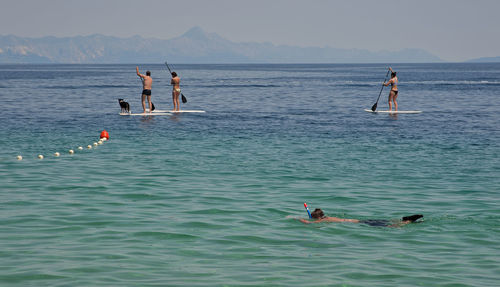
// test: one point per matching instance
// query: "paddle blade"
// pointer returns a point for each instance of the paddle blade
(184, 100)
(374, 107)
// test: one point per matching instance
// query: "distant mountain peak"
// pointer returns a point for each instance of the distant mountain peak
(199, 35)
(195, 33)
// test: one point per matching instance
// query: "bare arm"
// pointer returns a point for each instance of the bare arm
(330, 219)
(317, 221)
(388, 83)
(139, 74)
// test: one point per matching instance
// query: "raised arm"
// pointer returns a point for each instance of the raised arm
(139, 74)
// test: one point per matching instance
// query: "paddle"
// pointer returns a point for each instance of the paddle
(184, 100)
(374, 107)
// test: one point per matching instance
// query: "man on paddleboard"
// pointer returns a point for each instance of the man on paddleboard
(176, 90)
(147, 82)
(320, 217)
(393, 94)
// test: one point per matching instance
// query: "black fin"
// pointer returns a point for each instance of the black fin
(412, 218)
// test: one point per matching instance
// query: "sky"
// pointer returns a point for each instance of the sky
(454, 30)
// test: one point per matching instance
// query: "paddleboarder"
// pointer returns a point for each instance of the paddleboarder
(319, 216)
(176, 90)
(393, 94)
(147, 82)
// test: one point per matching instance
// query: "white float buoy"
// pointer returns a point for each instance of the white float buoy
(99, 142)
(80, 148)
(57, 154)
(104, 139)
(89, 146)
(19, 157)
(40, 156)
(95, 144)
(71, 151)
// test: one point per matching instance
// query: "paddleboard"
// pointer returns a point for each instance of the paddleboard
(158, 111)
(181, 111)
(394, 112)
(146, 114)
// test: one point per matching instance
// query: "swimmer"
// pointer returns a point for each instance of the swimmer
(320, 217)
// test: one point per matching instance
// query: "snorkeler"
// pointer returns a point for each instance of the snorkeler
(320, 217)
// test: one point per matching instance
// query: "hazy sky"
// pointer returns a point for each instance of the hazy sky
(454, 30)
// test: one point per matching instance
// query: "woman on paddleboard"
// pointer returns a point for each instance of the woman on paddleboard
(176, 91)
(393, 94)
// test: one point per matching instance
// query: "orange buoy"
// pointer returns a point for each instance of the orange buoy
(104, 134)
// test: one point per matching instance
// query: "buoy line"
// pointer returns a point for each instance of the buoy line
(102, 138)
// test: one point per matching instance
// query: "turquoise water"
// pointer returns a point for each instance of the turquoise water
(212, 199)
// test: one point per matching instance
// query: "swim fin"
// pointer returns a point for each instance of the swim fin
(412, 218)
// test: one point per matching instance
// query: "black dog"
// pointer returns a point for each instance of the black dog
(124, 106)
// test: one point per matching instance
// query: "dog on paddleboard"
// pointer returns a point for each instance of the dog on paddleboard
(125, 107)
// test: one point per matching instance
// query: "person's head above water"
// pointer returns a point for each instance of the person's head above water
(393, 74)
(148, 73)
(174, 74)
(317, 213)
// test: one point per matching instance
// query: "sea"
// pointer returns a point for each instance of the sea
(214, 198)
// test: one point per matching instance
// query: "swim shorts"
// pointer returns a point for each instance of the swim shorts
(146, 92)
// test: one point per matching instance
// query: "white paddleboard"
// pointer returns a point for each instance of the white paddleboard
(146, 114)
(181, 111)
(158, 111)
(394, 112)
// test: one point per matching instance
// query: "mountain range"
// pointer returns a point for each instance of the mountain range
(194, 46)
(485, 60)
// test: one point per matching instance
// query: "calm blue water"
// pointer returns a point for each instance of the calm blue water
(211, 199)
